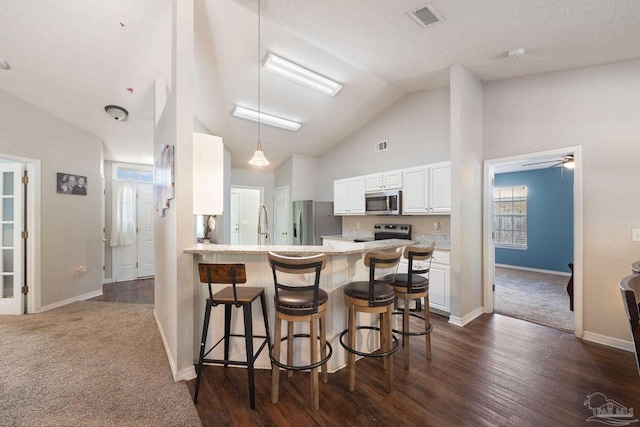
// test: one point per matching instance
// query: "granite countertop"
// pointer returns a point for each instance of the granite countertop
(346, 248)
(442, 242)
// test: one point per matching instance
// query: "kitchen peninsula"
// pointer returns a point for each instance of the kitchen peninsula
(345, 263)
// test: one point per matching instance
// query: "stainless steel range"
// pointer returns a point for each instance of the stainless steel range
(389, 231)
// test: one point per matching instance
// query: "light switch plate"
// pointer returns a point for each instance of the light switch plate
(635, 234)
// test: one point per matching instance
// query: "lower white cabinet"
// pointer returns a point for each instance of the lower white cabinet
(439, 284)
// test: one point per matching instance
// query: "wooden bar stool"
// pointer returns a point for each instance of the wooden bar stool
(373, 296)
(299, 303)
(229, 297)
(413, 286)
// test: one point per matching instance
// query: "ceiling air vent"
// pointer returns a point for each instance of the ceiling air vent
(381, 146)
(424, 15)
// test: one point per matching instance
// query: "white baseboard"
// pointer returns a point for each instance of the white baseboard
(461, 321)
(183, 374)
(536, 270)
(69, 301)
(608, 341)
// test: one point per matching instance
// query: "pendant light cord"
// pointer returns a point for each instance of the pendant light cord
(259, 106)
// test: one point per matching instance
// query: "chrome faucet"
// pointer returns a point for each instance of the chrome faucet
(266, 225)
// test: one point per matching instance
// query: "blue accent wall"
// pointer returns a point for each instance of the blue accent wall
(549, 219)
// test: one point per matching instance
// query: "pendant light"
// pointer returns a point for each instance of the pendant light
(258, 158)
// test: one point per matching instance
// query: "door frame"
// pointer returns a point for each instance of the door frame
(578, 247)
(33, 217)
(114, 253)
(248, 187)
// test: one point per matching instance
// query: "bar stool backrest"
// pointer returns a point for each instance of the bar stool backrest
(297, 265)
(635, 267)
(379, 261)
(223, 273)
(417, 253)
(630, 291)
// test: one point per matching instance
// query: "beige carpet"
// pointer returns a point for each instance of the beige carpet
(89, 364)
(536, 297)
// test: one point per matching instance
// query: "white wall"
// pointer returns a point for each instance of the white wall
(466, 195)
(598, 108)
(416, 129)
(174, 287)
(305, 173)
(70, 227)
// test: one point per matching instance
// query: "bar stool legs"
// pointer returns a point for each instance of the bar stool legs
(388, 343)
(248, 336)
(315, 322)
(351, 358)
(275, 373)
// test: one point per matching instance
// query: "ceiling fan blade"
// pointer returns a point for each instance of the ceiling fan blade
(540, 163)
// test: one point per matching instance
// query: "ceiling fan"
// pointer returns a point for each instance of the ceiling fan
(566, 161)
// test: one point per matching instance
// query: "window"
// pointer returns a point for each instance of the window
(140, 174)
(510, 217)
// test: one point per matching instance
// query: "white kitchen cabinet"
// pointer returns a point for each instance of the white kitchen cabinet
(415, 197)
(439, 281)
(427, 189)
(440, 187)
(391, 180)
(348, 196)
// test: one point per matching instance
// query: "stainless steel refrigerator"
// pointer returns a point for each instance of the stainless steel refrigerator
(313, 219)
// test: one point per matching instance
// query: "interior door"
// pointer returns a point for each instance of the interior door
(281, 216)
(12, 219)
(235, 220)
(146, 230)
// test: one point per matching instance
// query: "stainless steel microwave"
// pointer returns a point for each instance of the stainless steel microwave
(383, 203)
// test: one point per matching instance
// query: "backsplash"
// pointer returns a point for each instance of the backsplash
(422, 227)
(442, 241)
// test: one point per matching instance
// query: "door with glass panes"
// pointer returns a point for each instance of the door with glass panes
(12, 220)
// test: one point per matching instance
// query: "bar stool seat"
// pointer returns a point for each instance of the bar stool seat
(231, 296)
(375, 296)
(413, 286)
(299, 302)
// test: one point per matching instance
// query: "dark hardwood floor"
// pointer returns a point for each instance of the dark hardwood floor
(496, 371)
(134, 291)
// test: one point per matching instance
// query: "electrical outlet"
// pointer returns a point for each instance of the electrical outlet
(635, 234)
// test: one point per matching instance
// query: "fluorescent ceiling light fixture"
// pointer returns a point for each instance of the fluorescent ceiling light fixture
(267, 119)
(300, 74)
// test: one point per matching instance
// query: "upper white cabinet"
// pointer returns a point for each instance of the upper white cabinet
(384, 181)
(415, 199)
(427, 189)
(440, 187)
(208, 171)
(348, 196)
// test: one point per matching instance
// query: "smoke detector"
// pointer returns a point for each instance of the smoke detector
(516, 53)
(424, 15)
(4, 65)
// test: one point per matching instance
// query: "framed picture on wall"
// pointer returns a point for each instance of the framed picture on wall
(68, 183)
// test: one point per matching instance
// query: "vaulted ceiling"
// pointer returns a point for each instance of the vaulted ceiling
(73, 57)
